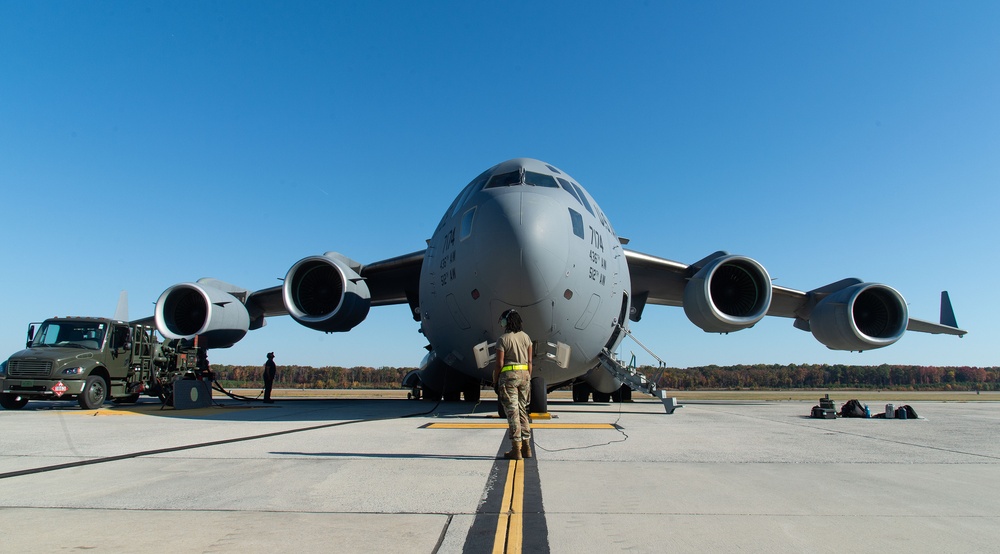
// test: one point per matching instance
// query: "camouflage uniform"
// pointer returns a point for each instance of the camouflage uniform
(514, 384)
(514, 389)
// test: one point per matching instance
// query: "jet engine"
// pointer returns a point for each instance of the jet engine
(860, 317)
(326, 293)
(728, 294)
(207, 309)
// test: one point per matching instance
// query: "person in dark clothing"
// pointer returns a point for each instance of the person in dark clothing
(270, 371)
(204, 369)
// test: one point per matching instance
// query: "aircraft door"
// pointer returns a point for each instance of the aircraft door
(620, 321)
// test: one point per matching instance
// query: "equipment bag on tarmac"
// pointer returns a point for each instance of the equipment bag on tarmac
(852, 408)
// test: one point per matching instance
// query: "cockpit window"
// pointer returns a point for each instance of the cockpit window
(505, 179)
(583, 198)
(577, 221)
(470, 189)
(467, 219)
(569, 188)
(540, 179)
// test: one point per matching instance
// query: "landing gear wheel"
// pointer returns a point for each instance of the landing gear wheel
(472, 395)
(539, 400)
(95, 392)
(602, 396)
(12, 401)
(581, 392)
(452, 396)
(623, 394)
(432, 395)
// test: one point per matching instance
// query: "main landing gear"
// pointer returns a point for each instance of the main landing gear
(583, 391)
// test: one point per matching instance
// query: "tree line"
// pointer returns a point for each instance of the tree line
(306, 377)
(815, 376)
(760, 376)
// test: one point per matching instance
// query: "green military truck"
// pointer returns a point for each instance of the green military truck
(92, 360)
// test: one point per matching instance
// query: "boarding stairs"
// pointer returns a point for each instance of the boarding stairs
(633, 378)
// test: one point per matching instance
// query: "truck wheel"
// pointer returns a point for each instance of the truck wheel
(95, 392)
(13, 401)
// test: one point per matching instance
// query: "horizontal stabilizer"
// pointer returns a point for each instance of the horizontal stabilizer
(947, 326)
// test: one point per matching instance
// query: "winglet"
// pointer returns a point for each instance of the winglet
(121, 312)
(947, 312)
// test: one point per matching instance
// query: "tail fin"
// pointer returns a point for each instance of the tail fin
(121, 312)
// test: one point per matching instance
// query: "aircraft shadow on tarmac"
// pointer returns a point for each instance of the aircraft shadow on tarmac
(342, 409)
(316, 409)
(290, 410)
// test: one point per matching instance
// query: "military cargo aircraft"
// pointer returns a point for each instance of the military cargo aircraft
(525, 235)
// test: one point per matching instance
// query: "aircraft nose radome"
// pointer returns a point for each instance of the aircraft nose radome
(529, 245)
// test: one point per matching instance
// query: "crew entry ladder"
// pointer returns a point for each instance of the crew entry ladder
(634, 379)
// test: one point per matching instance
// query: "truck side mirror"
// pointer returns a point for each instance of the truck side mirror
(31, 335)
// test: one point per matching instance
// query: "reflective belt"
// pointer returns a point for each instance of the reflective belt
(514, 367)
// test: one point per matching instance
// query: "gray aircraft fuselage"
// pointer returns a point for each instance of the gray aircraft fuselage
(524, 235)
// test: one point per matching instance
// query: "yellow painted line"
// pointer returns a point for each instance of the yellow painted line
(149, 410)
(491, 425)
(500, 538)
(516, 527)
(104, 412)
(510, 523)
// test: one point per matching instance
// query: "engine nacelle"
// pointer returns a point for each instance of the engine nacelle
(602, 381)
(728, 294)
(861, 317)
(326, 293)
(205, 310)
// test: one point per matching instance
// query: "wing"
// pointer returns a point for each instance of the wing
(329, 293)
(392, 281)
(655, 280)
(725, 293)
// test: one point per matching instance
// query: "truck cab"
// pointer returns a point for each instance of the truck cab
(87, 359)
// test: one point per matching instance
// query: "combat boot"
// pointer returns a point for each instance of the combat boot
(515, 451)
(525, 448)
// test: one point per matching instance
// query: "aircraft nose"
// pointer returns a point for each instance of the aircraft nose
(528, 246)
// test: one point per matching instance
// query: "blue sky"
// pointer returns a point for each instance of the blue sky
(147, 144)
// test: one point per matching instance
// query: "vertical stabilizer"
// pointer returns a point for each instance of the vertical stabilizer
(947, 313)
(121, 312)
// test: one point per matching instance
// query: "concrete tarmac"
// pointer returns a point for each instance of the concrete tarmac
(391, 475)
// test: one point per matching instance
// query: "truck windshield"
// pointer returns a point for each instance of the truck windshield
(72, 334)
